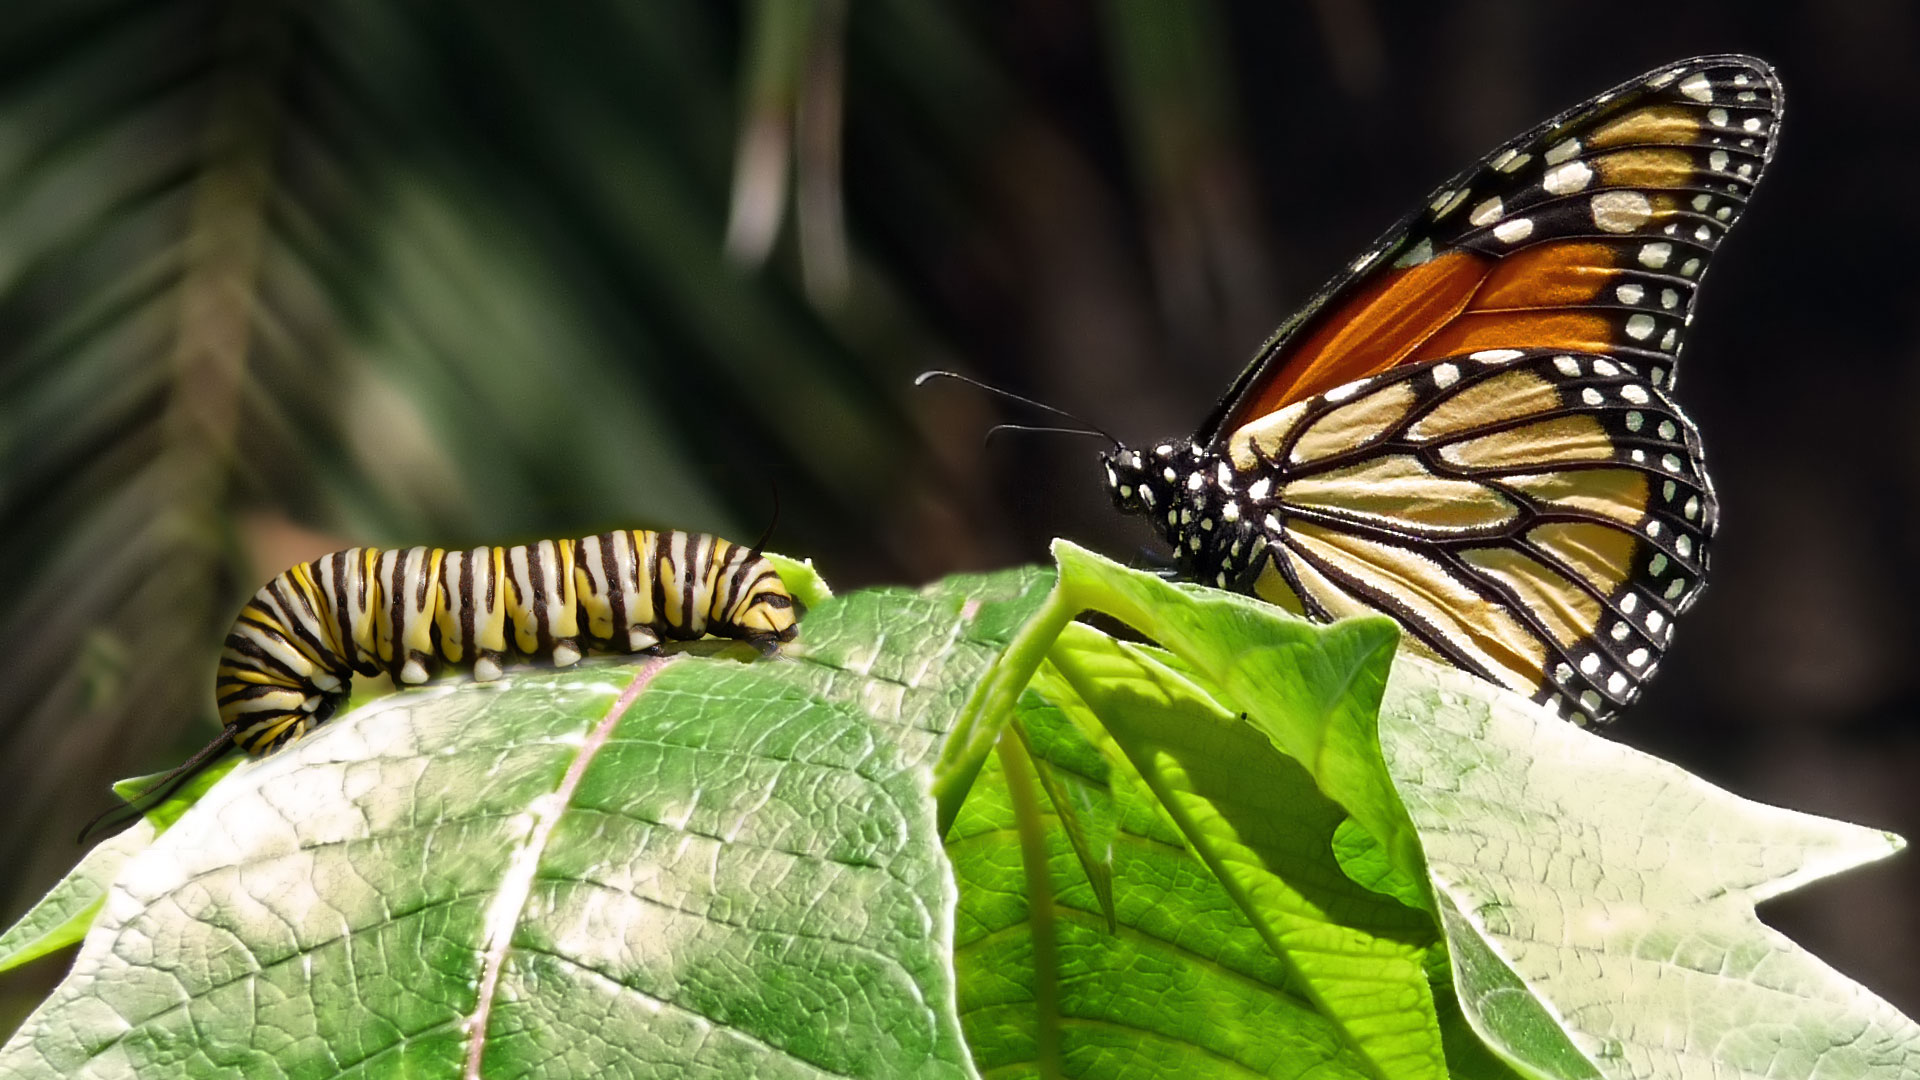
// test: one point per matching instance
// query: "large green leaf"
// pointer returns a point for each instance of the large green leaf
(1595, 890)
(1596, 903)
(1257, 820)
(708, 864)
(1185, 985)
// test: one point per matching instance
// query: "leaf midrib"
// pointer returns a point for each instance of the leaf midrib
(523, 864)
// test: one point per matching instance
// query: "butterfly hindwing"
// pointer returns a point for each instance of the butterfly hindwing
(1589, 233)
(1534, 516)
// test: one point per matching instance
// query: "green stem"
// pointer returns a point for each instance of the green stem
(993, 700)
(1018, 768)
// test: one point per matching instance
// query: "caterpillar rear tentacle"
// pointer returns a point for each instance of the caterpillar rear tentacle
(289, 660)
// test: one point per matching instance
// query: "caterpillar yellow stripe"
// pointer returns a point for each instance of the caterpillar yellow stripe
(290, 657)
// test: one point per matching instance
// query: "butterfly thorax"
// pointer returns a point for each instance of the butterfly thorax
(1193, 499)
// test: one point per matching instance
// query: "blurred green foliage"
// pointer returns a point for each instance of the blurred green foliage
(280, 277)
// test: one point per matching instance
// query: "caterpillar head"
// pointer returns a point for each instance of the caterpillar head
(762, 611)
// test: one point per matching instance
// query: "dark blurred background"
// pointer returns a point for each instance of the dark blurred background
(280, 277)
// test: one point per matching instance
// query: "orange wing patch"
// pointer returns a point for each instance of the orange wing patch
(1655, 125)
(1372, 332)
(1551, 275)
(1587, 234)
(1457, 303)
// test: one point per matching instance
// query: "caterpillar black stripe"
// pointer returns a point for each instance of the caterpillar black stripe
(290, 658)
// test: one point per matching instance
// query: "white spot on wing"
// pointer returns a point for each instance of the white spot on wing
(1564, 150)
(1449, 204)
(1567, 179)
(1514, 231)
(1417, 254)
(1621, 211)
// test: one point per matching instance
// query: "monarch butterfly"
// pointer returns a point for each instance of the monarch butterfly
(1472, 429)
(289, 660)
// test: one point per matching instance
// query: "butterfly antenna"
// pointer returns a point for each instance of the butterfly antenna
(1084, 428)
(1039, 430)
(134, 808)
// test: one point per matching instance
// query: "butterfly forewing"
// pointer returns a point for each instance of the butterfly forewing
(1472, 430)
(1589, 233)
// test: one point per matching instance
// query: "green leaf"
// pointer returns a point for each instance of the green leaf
(1312, 690)
(1600, 901)
(1184, 987)
(168, 810)
(1597, 904)
(1258, 821)
(689, 866)
(801, 579)
(62, 917)
(1086, 819)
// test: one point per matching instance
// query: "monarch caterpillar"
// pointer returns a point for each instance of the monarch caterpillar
(289, 660)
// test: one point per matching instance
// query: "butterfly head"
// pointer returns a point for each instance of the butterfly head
(1139, 481)
(1160, 481)
(1195, 501)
